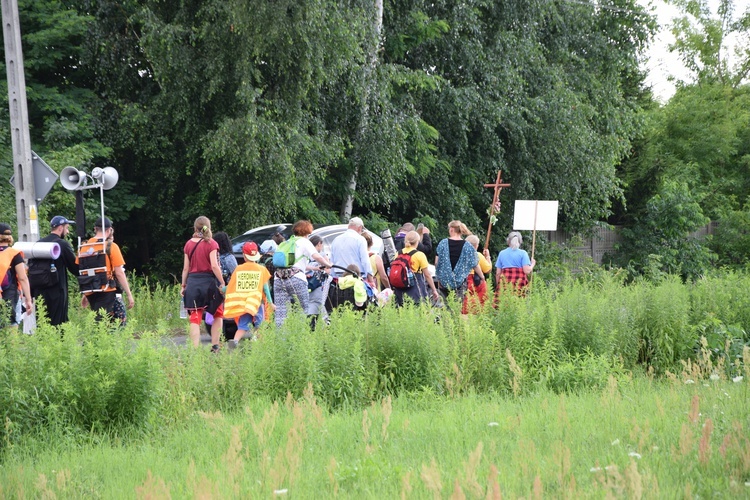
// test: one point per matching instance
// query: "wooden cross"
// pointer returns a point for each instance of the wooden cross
(498, 185)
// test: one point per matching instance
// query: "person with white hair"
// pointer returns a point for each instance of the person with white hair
(351, 248)
(513, 265)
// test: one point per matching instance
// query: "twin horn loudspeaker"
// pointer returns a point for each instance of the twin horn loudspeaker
(73, 179)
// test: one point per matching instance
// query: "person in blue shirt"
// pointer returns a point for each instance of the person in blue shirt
(513, 264)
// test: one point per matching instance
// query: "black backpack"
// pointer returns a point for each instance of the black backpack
(42, 274)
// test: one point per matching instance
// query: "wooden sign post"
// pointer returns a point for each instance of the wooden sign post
(498, 185)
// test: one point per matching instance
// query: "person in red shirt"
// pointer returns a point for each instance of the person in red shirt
(202, 281)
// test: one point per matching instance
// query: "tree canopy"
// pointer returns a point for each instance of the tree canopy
(694, 150)
(255, 112)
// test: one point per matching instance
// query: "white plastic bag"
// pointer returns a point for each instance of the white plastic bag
(28, 320)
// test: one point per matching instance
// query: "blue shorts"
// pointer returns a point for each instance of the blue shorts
(244, 321)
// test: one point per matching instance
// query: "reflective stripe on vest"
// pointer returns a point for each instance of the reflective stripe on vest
(244, 292)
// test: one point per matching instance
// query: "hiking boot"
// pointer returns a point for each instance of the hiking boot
(215, 348)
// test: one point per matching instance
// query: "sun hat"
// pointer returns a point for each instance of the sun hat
(268, 246)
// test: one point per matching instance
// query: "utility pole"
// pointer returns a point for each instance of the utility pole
(26, 210)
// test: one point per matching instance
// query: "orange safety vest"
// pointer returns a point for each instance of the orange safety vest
(245, 290)
(6, 257)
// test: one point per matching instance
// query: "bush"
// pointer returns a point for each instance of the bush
(660, 238)
(579, 372)
(732, 239)
(94, 379)
(724, 344)
(725, 295)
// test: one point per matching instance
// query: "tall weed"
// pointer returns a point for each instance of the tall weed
(566, 336)
(409, 348)
(528, 328)
(343, 371)
(478, 356)
(662, 320)
(96, 378)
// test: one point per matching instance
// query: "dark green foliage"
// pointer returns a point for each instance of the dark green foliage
(698, 139)
(731, 242)
(254, 112)
(62, 104)
(660, 241)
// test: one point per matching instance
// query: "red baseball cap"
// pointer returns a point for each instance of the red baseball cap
(250, 251)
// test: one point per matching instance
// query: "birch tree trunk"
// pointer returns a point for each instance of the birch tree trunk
(368, 85)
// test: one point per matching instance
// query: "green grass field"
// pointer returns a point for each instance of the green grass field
(588, 388)
(635, 439)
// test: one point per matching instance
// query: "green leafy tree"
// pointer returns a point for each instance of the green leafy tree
(661, 237)
(251, 111)
(61, 104)
(532, 88)
(702, 41)
(732, 239)
(700, 138)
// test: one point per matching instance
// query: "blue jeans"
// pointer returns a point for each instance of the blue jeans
(246, 320)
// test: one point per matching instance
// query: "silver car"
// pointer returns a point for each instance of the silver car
(328, 233)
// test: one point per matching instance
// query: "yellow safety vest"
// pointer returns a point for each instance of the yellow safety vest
(245, 290)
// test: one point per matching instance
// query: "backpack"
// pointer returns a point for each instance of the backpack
(225, 273)
(42, 274)
(93, 273)
(400, 274)
(284, 256)
(5, 281)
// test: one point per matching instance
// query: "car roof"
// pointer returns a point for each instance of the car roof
(287, 227)
(327, 232)
(333, 231)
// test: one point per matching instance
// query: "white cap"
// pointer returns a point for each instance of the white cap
(268, 246)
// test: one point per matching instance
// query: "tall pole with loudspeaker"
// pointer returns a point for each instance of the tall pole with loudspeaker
(26, 199)
(73, 179)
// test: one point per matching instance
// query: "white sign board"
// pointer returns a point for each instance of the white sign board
(536, 215)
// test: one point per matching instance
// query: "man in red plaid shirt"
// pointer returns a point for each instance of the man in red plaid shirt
(513, 265)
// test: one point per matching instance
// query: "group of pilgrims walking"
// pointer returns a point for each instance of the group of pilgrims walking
(216, 289)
